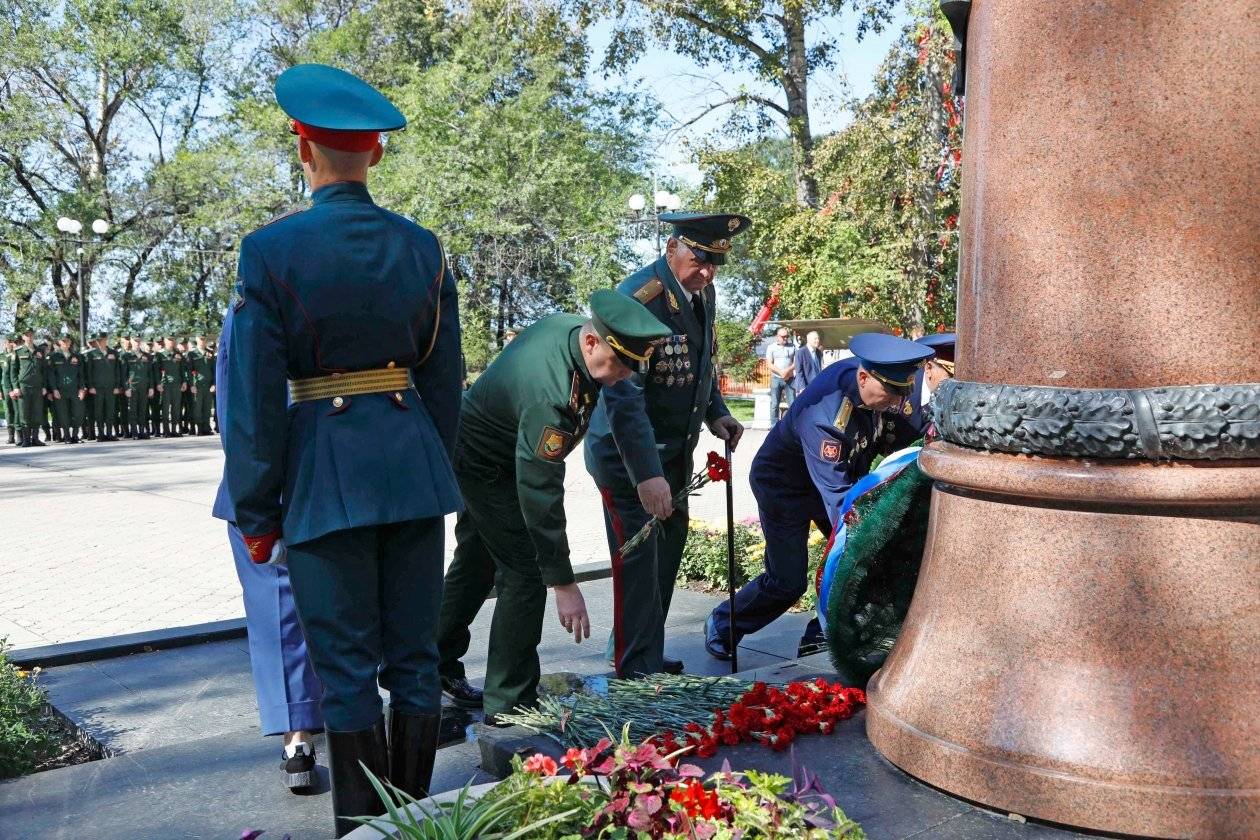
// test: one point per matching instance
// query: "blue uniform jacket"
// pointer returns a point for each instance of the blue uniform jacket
(912, 422)
(824, 443)
(655, 415)
(342, 286)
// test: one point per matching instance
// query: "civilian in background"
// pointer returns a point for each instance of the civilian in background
(780, 358)
(808, 361)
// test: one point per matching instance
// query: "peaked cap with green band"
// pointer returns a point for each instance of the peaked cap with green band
(627, 325)
(708, 232)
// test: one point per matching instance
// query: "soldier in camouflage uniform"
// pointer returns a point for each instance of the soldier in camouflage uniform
(68, 378)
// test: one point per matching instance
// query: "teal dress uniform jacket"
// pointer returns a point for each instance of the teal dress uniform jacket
(342, 286)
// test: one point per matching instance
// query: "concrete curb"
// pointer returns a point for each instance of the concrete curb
(91, 650)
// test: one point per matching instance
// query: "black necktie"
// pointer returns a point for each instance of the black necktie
(697, 306)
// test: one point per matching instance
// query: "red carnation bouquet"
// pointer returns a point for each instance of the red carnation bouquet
(716, 468)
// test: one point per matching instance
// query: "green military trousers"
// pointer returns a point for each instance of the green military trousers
(172, 409)
(31, 409)
(200, 422)
(138, 412)
(493, 548)
(69, 411)
(103, 412)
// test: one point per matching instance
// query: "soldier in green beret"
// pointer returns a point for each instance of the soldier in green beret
(6, 385)
(31, 379)
(172, 383)
(200, 386)
(68, 378)
(518, 421)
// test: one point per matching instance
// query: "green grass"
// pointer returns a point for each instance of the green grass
(741, 408)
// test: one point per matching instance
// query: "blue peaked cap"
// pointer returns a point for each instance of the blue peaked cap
(891, 360)
(326, 97)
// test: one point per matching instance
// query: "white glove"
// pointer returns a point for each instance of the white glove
(279, 555)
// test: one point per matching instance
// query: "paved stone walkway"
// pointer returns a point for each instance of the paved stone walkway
(112, 538)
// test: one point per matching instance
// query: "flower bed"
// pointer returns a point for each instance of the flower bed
(33, 737)
(703, 565)
(625, 791)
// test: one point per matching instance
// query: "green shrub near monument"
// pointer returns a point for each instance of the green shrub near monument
(27, 735)
(704, 557)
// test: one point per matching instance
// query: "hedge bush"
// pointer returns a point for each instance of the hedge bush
(27, 734)
(704, 557)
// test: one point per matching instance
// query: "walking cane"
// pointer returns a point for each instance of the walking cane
(730, 555)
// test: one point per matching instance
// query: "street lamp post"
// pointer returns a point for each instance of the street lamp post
(74, 227)
(662, 201)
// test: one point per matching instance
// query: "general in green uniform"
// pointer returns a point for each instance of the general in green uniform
(68, 379)
(200, 386)
(138, 388)
(31, 378)
(645, 429)
(517, 423)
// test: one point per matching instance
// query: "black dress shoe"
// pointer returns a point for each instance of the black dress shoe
(352, 793)
(299, 768)
(715, 643)
(462, 693)
(412, 747)
(672, 666)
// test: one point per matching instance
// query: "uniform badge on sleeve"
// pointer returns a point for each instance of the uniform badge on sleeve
(906, 408)
(829, 451)
(554, 444)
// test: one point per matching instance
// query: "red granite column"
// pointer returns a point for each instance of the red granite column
(1084, 642)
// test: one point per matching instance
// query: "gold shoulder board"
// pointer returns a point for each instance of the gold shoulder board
(842, 416)
(649, 290)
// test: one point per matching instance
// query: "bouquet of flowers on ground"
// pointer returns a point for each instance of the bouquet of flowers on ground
(716, 468)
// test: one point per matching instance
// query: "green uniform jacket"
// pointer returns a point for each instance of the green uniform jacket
(29, 369)
(524, 415)
(655, 416)
(67, 371)
(200, 370)
(138, 374)
(172, 370)
(104, 372)
(6, 380)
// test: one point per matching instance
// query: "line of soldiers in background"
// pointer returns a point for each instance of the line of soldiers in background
(140, 389)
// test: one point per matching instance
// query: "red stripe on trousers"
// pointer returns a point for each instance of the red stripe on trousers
(618, 642)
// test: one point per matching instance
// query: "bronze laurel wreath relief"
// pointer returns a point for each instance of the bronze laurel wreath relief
(1185, 421)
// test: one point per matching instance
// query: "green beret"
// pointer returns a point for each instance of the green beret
(627, 325)
(710, 233)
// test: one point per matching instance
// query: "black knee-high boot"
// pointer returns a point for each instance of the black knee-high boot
(352, 793)
(413, 741)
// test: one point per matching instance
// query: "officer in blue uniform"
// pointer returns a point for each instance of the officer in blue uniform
(824, 443)
(914, 420)
(645, 428)
(341, 412)
(285, 684)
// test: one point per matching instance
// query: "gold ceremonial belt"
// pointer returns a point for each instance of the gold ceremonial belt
(381, 380)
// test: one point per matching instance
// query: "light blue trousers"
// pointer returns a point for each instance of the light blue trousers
(284, 680)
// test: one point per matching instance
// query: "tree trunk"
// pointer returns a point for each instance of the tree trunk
(796, 89)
